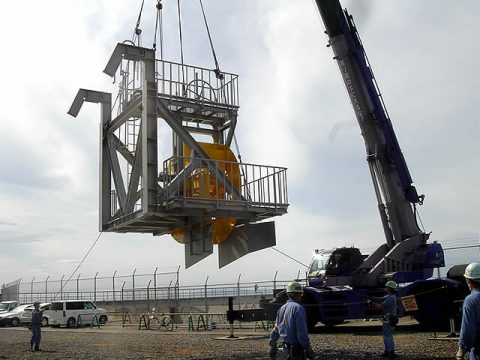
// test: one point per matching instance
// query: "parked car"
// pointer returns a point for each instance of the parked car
(6, 306)
(12, 317)
(70, 312)
(26, 315)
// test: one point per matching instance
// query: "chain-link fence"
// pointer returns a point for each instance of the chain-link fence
(165, 285)
(152, 286)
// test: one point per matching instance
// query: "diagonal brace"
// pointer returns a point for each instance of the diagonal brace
(176, 124)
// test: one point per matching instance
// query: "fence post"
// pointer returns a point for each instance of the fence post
(61, 287)
(95, 288)
(31, 290)
(168, 294)
(148, 295)
(123, 308)
(275, 281)
(113, 285)
(238, 291)
(177, 286)
(206, 297)
(46, 288)
(155, 284)
(78, 278)
(133, 284)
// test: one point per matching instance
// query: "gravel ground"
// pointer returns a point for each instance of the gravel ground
(350, 341)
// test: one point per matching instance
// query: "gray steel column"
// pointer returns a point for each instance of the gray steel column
(149, 135)
(105, 99)
(105, 170)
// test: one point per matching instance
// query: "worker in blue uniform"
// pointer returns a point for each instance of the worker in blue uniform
(469, 341)
(36, 321)
(291, 327)
(387, 305)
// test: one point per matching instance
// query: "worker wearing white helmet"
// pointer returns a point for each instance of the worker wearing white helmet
(291, 326)
(470, 332)
(387, 305)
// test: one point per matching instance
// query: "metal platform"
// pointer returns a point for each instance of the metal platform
(139, 191)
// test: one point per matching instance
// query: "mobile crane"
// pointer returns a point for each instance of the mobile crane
(341, 280)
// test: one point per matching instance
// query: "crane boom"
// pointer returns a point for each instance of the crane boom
(396, 196)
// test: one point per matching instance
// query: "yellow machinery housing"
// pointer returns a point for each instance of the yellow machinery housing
(202, 185)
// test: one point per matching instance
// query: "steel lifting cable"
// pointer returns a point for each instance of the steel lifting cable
(418, 218)
(221, 77)
(159, 20)
(137, 30)
(181, 44)
(78, 266)
(217, 71)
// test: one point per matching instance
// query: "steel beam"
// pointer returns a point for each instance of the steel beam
(105, 99)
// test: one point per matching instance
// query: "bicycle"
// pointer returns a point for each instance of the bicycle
(156, 322)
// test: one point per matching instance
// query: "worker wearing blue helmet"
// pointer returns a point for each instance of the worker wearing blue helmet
(469, 341)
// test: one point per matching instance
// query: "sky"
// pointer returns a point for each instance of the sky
(294, 112)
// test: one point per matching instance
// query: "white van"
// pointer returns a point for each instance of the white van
(70, 312)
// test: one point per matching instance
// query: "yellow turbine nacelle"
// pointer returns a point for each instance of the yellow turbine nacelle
(203, 185)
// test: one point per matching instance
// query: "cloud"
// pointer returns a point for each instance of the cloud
(294, 112)
(4, 222)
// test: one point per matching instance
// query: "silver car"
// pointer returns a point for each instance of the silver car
(26, 315)
(12, 317)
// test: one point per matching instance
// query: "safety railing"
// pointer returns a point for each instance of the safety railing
(176, 80)
(258, 185)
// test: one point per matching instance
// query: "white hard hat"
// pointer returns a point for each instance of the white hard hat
(294, 287)
(472, 271)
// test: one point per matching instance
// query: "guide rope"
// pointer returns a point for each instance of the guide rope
(288, 256)
(78, 266)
